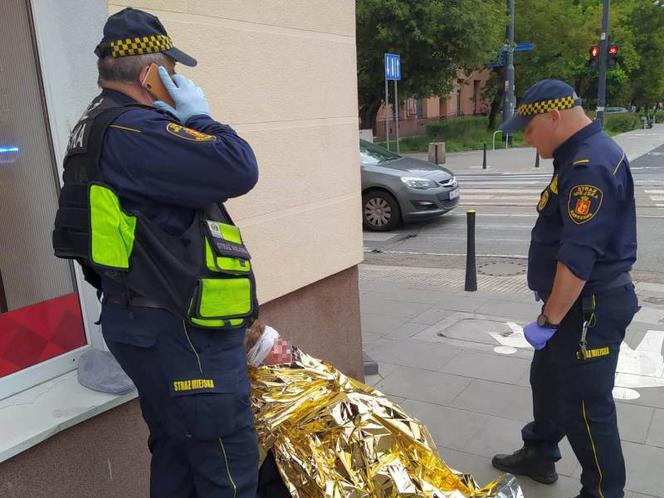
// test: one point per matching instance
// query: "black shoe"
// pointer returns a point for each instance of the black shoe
(527, 462)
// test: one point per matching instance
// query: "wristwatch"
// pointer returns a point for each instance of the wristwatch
(543, 321)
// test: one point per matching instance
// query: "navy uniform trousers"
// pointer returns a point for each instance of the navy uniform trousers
(194, 395)
(573, 396)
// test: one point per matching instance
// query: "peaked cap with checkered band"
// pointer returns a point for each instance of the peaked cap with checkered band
(540, 98)
(135, 32)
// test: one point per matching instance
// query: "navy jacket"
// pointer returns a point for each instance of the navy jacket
(587, 214)
(165, 169)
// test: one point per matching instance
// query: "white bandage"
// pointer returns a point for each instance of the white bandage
(257, 354)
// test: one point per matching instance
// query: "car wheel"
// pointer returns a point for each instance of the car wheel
(380, 211)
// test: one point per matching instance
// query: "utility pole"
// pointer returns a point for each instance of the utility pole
(603, 57)
(508, 104)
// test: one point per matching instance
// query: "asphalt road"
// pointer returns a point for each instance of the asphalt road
(505, 205)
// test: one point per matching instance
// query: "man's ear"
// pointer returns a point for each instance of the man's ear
(554, 115)
(141, 75)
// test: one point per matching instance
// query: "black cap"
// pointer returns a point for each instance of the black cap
(135, 32)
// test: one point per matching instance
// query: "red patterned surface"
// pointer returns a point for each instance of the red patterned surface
(39, 332)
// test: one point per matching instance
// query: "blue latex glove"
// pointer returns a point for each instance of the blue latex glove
(538, 336)
(189, 97)
(537, 296)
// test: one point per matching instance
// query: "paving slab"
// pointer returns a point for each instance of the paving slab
(411, 353)
(645, 468)
(392, 307)
(384, 369)
(655, 435)
(634, 422)
(380, 323)
(465, 430)
(442, 367)
(518, 311)
(479, 466)
(422, 385)
(487, 366)
(500, 400)
(406, 331)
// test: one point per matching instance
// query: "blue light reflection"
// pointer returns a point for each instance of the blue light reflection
(8, 154)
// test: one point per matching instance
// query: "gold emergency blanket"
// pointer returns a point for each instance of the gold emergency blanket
(335, 437)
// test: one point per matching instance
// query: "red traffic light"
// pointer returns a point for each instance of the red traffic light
(594, 51)
(613, 50)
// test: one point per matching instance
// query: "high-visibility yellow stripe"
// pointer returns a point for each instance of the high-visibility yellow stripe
(126, 128)
(228, 470)
(619, 163)
(581, 161)
(592, 444)
(221, 443)
(198, 358)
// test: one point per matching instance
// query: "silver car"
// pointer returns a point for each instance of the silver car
(397, 188)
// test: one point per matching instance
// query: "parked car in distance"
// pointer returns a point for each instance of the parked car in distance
(399, 189)
(615, 109)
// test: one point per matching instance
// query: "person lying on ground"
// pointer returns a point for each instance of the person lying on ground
(324, 434)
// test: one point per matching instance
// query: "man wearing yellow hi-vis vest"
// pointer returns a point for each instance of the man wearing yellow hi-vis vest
(141, 210)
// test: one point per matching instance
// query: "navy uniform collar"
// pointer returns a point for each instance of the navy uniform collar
(567, 150)
(118, 97)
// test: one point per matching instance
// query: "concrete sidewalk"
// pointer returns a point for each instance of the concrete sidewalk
(522, 159)
(454, 360)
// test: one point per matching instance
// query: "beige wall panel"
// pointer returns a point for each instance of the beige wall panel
(296, 247)
(284, 75)
(255, 73)
(337, 16)
(300, 166)
(260, 76)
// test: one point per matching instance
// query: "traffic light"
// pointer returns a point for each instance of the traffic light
(613, 52)
(594, 56)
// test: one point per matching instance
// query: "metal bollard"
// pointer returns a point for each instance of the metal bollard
(484, 158)
(536, 159)
(471, 267)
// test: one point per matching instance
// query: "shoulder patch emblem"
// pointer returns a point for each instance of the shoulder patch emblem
(188, 134)
(554, 184)
(584, 202)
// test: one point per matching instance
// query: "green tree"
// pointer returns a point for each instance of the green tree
(558, 29)
(564, 30)
(646, 79)
(436, 39)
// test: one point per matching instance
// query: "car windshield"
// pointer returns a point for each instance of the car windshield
(375, 154)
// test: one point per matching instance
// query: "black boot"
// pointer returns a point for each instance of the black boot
(527, 462)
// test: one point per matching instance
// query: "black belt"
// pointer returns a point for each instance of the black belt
(619, 281)
(138, 301)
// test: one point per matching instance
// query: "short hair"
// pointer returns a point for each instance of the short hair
(126, 69)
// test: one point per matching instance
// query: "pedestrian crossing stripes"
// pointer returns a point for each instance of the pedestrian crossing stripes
(528, 196)
(522, 197)
(657, 196)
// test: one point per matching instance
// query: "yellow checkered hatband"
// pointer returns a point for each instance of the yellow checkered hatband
(140, 45)
(543, 106)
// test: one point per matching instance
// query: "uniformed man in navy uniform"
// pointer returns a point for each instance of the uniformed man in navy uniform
(582, 248)
(166, 164)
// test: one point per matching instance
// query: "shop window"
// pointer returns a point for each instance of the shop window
(40, 314)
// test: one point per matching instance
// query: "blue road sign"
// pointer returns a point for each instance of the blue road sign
(392, 67)
(524, 47)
